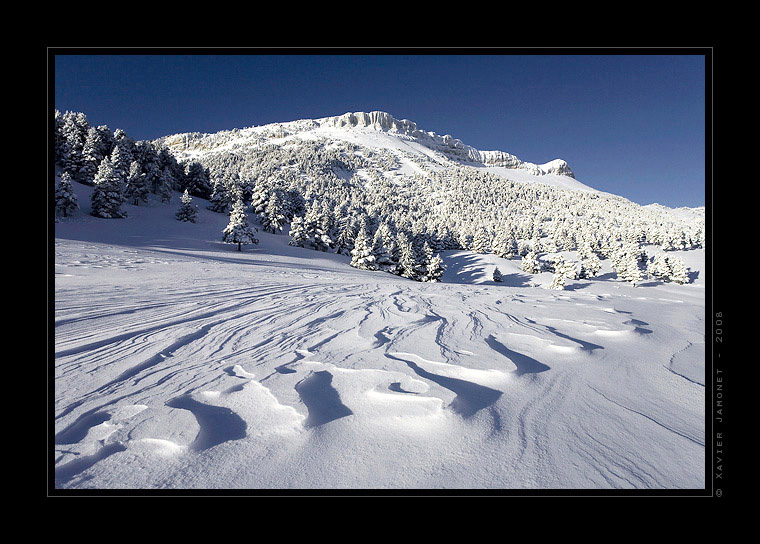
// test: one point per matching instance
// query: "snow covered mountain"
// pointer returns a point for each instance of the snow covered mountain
(425, 181)
(451, 147)
(183, 362)
(684, 213)
(379, 130)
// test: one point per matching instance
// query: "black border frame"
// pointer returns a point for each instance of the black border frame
(714, 426)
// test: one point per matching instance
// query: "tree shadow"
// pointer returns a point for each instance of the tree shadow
(524, 363)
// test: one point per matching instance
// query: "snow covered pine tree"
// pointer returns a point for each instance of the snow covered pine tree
(187, 210)
(109, 192)
(65, 199)
(237, 230)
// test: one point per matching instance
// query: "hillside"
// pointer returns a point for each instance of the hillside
(378, 130)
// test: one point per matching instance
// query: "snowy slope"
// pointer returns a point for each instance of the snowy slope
(183, 363)
(380, 130)
(683, 213)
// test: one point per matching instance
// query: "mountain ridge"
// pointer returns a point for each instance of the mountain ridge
(452, 148)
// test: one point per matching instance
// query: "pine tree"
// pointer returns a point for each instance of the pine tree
(298, 236)
(659, 268)
(563, 270)
(65, 199)
(219, 201)
(566, 268)
(409, 263)
(170, 173)
(481, 243)
(361, 255)
(530, 263)
(237, 230)
(588, 261)
(58, 137)
(550, 264)
(73, 134)
(197, 180)
(511, 248)
(382, 248)
(260, 194)
(628, 269)
(93, 152)
(558, 281)
(617, 255)
(316, 237)
(346, 234)
(164, 183)
(497, 275)
(679, 273)
(435, 269)
(187, 210)
(272, 219)
(109, 192)
(136, 189)
(121, 159)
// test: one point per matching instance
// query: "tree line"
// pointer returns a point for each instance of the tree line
(353, 200)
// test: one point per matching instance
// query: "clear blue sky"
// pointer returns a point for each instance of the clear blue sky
(629, 125)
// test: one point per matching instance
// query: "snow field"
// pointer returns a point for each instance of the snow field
(182, 363)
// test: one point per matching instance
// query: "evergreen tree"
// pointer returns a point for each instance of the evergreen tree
(382, 248)
(196, 180)
(588, 261)
(272, 219)
(108, 195)
(659, 268)
(136, 189)
(481, 243)
(237, 230)
(220, 201)
(260, 194)
(558, 281)
(497, 275)
(105, 140)
(65, 199)
(679, 273)
(163, 184)
(121, 159)
(563, 270)
(617, 256)
(361, 256)
(510, 249)
(93, 151)
(58, 137)
(298, 235)
(550, 264)
(435, 269)
(187, 210)
(73, 133)
(346, 234)
(530, 263)
(628, 269)
(566, 268)
(315, 230)
(409, 265)
(170, 172)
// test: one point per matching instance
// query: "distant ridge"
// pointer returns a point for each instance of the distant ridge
(453, 147)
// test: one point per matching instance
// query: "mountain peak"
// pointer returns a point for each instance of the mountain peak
(450, 146)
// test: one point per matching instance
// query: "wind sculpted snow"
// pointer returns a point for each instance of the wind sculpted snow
(183, 363)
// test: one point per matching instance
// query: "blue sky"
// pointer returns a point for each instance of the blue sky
(629, 125)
